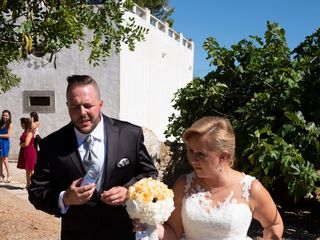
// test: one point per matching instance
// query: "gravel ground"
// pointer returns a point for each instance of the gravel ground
(19, 220)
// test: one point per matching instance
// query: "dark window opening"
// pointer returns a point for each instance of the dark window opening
(39, 101)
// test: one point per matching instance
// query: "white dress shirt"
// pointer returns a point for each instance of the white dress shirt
(98, 142)
(99, 149)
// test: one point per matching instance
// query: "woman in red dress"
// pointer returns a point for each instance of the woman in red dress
(27, 155)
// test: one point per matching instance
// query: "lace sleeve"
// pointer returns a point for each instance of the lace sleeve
(246, 182)
(188, 182)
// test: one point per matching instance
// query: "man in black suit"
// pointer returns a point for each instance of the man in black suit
(95, 210)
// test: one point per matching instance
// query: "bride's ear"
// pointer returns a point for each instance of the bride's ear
(224, 155)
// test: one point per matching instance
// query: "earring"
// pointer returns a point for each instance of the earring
(220, 168)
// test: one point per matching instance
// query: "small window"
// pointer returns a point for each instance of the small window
(39, 101)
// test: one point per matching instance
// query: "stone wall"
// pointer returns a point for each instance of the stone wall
(169, 157)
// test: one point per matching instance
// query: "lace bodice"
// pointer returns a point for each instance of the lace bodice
(229, 220)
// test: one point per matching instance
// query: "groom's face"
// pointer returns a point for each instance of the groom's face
(84, 105)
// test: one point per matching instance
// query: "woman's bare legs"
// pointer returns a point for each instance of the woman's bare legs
(1, 170)
(7, 166)
(28, 177)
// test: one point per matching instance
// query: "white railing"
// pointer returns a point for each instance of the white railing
(144, 13)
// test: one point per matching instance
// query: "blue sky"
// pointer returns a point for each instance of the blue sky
(229, 21)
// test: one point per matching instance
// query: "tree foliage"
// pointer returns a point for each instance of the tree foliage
(48, 26)
(272, 98)
(7, 79)
(307, 55)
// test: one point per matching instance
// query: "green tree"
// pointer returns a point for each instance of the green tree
(307, 55)
(258, 86)
(48, 26)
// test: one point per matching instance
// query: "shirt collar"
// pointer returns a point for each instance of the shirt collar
(97, 133)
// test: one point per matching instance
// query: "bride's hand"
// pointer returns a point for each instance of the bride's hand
(137, 225)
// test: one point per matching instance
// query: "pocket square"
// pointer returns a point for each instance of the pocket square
(123, 162)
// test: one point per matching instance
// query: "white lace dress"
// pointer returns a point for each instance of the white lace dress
(229, 220)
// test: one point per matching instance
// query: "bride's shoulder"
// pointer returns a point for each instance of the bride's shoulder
(257, 189)
(181, 183)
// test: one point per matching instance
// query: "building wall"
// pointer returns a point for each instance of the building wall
(152, 73)
(135, 86)
(37, 74)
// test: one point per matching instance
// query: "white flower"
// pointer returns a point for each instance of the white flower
(150, 201)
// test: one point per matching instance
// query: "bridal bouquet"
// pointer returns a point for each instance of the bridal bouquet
(151, 201)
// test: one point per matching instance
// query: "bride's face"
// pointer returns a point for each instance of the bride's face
(202, 157)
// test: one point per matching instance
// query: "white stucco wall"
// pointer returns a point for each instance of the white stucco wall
(135, 86)
(47, 77)
(152, 74)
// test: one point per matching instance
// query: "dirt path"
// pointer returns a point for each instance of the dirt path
(19, 220)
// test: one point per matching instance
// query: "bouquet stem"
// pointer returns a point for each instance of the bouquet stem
(152, 232)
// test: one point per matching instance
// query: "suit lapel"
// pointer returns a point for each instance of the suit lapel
(77, 161)
(112, 138)
(74, 155)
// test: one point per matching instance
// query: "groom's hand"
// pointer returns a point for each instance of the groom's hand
(115, 196)
(76, 194)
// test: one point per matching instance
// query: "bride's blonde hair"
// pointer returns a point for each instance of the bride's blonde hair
(218, 131)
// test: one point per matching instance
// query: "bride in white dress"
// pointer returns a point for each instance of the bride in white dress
(216, 202)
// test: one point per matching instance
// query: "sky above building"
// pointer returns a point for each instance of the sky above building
(230, 21)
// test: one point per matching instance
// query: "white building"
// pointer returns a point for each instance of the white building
(136, 86)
